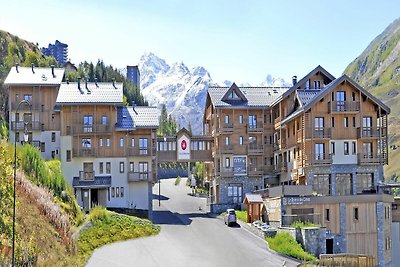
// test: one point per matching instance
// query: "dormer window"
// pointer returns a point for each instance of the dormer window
(233, 95)
(317, 84)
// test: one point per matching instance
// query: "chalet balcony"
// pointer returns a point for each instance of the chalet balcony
(201, 155)
(139, 176)
(139, 151)
(90, 129)
(86, 175)
(320, 159)
(371, 158)
(226, 128)
(371, 132)
(254, 171)
(344, 106)
(318, 133)
(254, 149)
(30, 126)
(226, 172)
(166, 155)
(255, 128)
(84, 152)
(34, 106)
(226, 149)
(281, 167)
(268, 169)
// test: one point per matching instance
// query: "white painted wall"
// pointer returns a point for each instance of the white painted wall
(340, 157)
(138, 195)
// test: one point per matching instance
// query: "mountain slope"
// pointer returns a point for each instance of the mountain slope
(183, 90)
(378, 70)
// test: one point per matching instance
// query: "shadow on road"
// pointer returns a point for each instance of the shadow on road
(175, 218)
(162, 197)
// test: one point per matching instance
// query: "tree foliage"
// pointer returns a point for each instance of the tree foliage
(167, 124)
(6, 193)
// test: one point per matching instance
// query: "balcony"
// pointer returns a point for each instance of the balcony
(226, 128)
(371, 132)
(290, 190)
(90, 129)
(226, 172)
(86, 175)
(255, 128)
(254, 149)
(139, 151)
(139, 176)
(319, 159)
(201, 155)
(371, 158)
(268, 169)
(318, 133)
(254, 171)
(84, 152)
(281, 167)
(226, 149)
(34, 106)
(343, 106)
(30, 126)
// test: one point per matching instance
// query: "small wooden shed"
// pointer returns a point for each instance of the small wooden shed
(254, 205)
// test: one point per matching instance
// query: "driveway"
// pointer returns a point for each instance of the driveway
(188, 237)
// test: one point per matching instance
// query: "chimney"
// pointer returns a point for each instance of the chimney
(86, 80)
(52, 71)
(86, 85)
(79, 85)
(67, 81)
(113, 83)
(95, 82)
(33, 65)
(294, 79)
(16, 67)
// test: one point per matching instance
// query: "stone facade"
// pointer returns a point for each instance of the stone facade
(381, 236)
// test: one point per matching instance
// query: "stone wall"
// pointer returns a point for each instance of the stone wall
(313, 240)
(247, 183)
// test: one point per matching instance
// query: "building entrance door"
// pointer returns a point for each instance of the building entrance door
(94, 194)
(329, 246)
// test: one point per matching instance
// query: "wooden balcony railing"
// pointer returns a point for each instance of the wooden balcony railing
(227, 149)
(83, 152)
(371, 158)
(30, 126)
(139, 176)
(319, 159)
(226, 172)
(318, 133)
(255, 149)
(90, 129)
(343, 106)
(281, 167)
(138, 151)
(86, 175)
(201, 155)
(255, 128)
(254, 171)
(371, 132)
(225, 128)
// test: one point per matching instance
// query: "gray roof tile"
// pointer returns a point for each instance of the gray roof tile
(144, 117)
(40, 76)
(99, 181)
(306, 95)
(103, 93)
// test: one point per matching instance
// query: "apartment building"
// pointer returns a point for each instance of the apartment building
(241, 124)
(40, 119)
(107, 150)
(57, 50)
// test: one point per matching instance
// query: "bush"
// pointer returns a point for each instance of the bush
(284, 243)
(98, 213)
(177, 180)
(301, 224)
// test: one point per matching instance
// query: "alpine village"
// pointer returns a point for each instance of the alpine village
(309, 168)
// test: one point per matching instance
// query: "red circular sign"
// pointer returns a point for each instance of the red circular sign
(183, 145)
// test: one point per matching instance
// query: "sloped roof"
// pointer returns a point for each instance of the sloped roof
(102, 93)
(99, 181)
(139, 117)
(305, 95)
(39, 76)
(253, 198)
(256, 96)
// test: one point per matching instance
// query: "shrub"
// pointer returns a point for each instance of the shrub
(98, 213)
(284, 243)
(177, 180)
(301, 224)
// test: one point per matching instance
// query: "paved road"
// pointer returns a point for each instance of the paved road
(188, 237)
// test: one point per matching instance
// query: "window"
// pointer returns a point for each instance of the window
(346, 122)
(227, 162)
(121, 192)
(346, 148)
(252, 121)
(17, 137)
(143, 170)
(227, 140)
(355, 213)
(235, 193)
(108, 167)
(117, 192)
(241, 119)
(317, 84)
(344, 184)
(132, 142)
(68, 156)
(367, 150)
(28, 98)
(101, 168)
(112, 191)
(104, 120)
(143, 144)
(308, 84)
(354, 122)
(340, 100)
(319, 151)
(121, 142)
(226, 119)
(87, 123)
(322, 184)
(121, 167)
(100, 142)
(53, 137)
(353, 148)
(108, 142)
(327, 215)
(333, 122)
(319, 127)
(353, 96)
(233, 95)
(252, 142)
(333, 148)
(241, 140)
(87, 143)
(131, 166)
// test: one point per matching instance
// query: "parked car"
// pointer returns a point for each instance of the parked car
(230, 217)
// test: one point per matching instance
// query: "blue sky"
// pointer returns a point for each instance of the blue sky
(241, 41)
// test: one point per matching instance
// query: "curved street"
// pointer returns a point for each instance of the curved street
(188, 237)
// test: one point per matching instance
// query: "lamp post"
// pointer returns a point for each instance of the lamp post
(25, 102)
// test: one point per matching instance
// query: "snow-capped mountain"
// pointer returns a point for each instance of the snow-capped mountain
(183, 90)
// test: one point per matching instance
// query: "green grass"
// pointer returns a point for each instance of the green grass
(107, 227)
(284, 243)
(177, 180)
(301, 224)
(240, 215)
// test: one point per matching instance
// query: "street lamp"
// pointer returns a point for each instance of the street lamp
(25, 102)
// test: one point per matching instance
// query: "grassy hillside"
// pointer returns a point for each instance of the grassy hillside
(378, 70)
